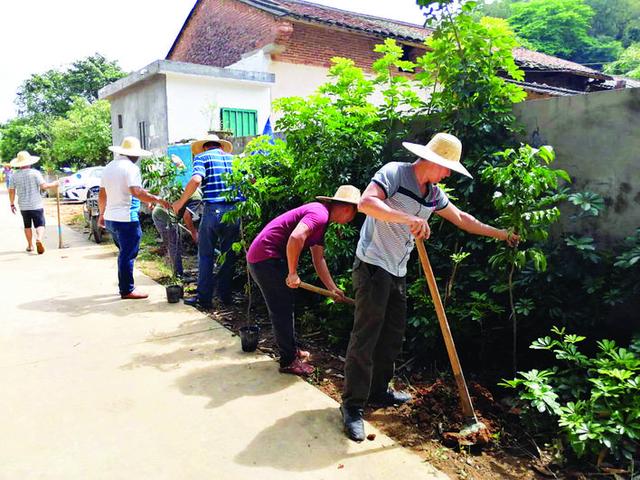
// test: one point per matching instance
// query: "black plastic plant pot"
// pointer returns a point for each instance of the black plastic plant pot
(249, 337)
(174, 293)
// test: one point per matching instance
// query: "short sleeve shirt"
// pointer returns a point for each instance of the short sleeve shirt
(271, 242)
(388, 244)
(117, 177)
(27, 183)
(211, 165)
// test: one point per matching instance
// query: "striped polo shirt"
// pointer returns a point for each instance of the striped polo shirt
(387, 244)
(26, 182)
(211, 166)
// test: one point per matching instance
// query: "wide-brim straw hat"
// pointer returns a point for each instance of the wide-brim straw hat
(344, 194)
(443, 149)
(197, 146)
(23, 159)
(130, 147)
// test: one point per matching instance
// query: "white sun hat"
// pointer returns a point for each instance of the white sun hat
(345, 194)
(197, 145)
(23, 159)
(443, 149)
(130, 147)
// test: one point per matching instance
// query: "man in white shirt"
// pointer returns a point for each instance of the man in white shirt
(119, 202)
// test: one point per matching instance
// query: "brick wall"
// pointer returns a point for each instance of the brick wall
(220, 31)
(316, 45)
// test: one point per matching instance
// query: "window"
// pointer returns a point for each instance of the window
(142, 134)
(243, 123)
(119, 121)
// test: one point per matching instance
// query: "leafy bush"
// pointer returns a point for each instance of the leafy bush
(594, 400)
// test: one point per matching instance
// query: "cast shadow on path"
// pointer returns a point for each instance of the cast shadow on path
(80, 306)
(226, 382)
(195, 343)
(309, 440)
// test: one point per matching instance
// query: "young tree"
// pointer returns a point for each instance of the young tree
(628, 64)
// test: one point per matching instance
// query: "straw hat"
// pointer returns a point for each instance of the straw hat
(23, 159)
(196, 147)
(443, 149)
(130, 147)
(345, 194)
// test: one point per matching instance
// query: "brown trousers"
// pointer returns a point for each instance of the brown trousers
(377, 335)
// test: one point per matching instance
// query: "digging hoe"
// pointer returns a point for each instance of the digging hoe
(474, 431)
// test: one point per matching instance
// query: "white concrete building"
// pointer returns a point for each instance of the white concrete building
(167, 102)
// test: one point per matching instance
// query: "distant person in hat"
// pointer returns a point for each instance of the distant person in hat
(273, 264)
(212, 159)
(7, 172)
(398, 203)
(166, 223)
(28, 183)
(119, 202)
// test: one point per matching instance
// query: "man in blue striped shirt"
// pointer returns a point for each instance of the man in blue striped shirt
(212, 159)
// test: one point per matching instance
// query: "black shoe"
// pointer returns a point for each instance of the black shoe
(389, 398)
(193, 302)
(353, 422)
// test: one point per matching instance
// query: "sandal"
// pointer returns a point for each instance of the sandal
(29, 249)
(298, 368)
(39, 247)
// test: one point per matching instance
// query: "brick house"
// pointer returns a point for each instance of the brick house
(295, 40)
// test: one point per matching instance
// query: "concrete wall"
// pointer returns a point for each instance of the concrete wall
(143, 102)
(190, 100)
(597, 141)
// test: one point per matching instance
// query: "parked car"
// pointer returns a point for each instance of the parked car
(75, 187)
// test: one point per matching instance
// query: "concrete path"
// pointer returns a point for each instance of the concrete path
(92, 387)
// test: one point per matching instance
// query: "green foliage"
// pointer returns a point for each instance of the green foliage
(526, 198)
(589, 203)
(53, 93)
(561, 28)
(631, 257)
(594, 400)
(160, 176)
(81, 138)
(461, 68)
(628, 64)
(25, 133)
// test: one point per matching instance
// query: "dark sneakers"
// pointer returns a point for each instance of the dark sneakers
(352, 419)
(389, 398)
(193, 302)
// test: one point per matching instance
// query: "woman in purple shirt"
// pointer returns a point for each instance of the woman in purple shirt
(273, 264)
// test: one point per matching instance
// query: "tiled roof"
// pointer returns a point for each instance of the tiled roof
(541, 61)
(313, 12)
(544, 88)
(303, 10)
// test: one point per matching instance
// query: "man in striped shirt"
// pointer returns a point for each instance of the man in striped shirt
(212, 159)
(398, 203)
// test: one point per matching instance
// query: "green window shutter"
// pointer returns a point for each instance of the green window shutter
(243, 123)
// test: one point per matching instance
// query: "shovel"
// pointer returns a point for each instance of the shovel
(324, 291)
(473, 426)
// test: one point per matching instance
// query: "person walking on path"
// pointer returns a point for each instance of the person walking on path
(7, 172)
(27, 183)
(398, 203)
(212, 159)
(273, 264)
(119, 203)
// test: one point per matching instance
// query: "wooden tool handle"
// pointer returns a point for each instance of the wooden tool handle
(59, 221)
(465, 399)
(324, 291)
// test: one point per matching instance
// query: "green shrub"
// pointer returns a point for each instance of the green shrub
(594, 400)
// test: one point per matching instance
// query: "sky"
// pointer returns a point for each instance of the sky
(37, 35)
